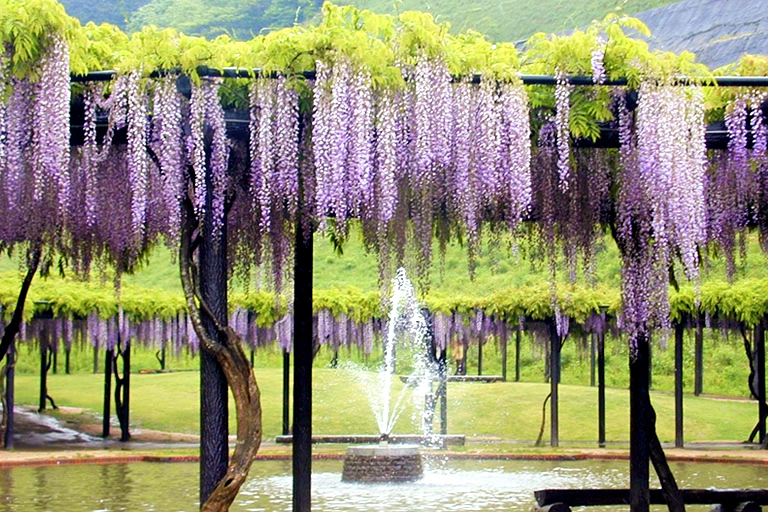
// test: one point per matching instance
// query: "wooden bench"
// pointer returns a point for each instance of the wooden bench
(735, 500)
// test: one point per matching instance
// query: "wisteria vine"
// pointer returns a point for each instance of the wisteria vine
(437, 158)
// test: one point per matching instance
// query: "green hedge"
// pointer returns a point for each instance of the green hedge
(743, 301)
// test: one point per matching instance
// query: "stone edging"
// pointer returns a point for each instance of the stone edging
(123, 459)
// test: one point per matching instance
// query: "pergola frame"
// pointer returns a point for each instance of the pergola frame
(215, 292)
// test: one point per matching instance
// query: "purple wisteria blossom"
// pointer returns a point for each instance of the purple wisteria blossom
(598, 66)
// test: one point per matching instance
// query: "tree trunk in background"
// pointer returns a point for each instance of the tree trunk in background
(12, 329)
(109, 355)
(7, 341)
(122, 389)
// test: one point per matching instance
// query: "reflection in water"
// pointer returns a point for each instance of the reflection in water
(6, 491)
(447, 485)
(44, 499)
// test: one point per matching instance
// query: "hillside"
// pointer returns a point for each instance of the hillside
(512, 20)
(115, 12)
(500, 20)
(717, 31)
(240, 19)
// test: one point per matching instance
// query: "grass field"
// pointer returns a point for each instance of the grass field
(499, 268)
(510, 411)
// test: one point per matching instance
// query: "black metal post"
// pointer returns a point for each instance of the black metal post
(43, 368)
(517, 354)
(760, 366)
(109, 355)
(214, 395)
(9, 393)
(650, 365)
(504, 345)
(554, 381)
(601, 390)
(161, 356)
(67, 353)
(639, 426)
(125, 433)
(479, 357)
(302, 370)
(592, 356)
(443, 392)
(286, 392)
(679, 331)
(698, 383)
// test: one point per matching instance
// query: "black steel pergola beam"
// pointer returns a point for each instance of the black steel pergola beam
(527, 79)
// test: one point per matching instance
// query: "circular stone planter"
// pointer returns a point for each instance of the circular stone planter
(382, 463)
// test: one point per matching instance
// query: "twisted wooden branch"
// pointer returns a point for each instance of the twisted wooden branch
(236, 367)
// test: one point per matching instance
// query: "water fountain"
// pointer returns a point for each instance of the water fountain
(388, 462)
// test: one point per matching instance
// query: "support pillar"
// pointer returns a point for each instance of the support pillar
(302, 370)
(639, 426)
(592, 357)
(9, 393)
(479, 356)
(109, 355)
(442, 392)
(504, 345)
(554, 381)
(286, 392)
(601, 389)
(698, 383)
(125, 425)
(760, 370)
(43, 368)
(679, 331)
(517, 354)
(214, 395)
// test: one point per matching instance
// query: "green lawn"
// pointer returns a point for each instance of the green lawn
(499, 268)
(510, 411)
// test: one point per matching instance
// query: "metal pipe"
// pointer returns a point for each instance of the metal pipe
(583, 80)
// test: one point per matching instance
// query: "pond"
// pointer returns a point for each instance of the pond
(447, 486)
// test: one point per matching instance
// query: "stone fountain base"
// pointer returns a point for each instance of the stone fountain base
(382, 463)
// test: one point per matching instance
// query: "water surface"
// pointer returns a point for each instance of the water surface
(447, 486)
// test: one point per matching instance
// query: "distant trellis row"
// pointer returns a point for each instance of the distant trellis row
(333, 331)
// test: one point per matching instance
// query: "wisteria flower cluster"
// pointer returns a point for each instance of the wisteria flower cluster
(437, 150)
(661, 210)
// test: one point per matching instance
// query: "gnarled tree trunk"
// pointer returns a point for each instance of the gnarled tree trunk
(236, 367)
(12, 329)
